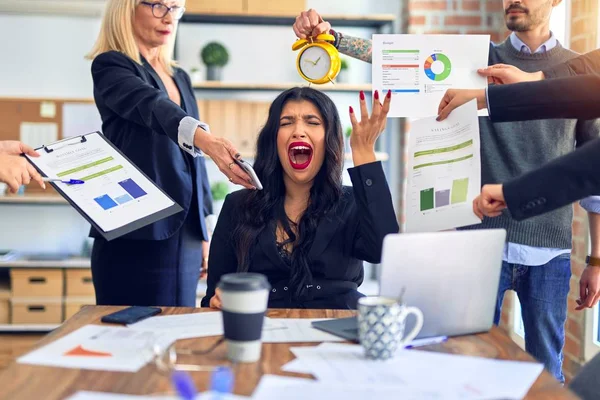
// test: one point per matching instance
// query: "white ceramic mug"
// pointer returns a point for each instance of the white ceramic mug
(381, 322)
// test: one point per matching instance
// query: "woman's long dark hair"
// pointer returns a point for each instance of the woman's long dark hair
(263, 207)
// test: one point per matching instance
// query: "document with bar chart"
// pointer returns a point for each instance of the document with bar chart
(115, 196)
(418, 69)
(443, 171)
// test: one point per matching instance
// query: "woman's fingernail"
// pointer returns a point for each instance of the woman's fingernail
(351, 110)
(362, 95)
(389, 94)
(377, 95)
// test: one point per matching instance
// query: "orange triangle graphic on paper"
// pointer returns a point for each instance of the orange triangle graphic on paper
(80, 351)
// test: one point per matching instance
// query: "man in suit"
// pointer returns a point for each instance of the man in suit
(14, 169)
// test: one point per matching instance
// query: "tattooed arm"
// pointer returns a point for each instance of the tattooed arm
(310, 24)
(356, 47)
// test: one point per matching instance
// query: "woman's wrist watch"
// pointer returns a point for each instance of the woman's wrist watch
(592, 261)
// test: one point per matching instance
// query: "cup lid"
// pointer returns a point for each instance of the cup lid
(243, 282)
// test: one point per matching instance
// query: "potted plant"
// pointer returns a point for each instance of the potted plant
(343, 75)
(219, 191)
(215, 57)
(195, 74)
(347, 135)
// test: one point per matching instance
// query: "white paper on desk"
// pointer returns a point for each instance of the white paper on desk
(99, 347)
(85, 395)
(420, 68)
(444, 171)
(272, 387)
(187, 326)
(460, 376)
(298, 330)
(115, 192)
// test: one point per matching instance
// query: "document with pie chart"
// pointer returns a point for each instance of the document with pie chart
(418, 69)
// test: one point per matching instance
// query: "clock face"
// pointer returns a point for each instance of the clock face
(315, 62)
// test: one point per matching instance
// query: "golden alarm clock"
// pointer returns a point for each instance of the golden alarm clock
(318, 61)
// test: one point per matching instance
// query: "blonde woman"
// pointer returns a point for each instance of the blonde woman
(149, 112)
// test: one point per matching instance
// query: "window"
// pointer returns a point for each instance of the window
(560, 22)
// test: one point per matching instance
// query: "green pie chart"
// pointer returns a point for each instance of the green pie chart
(433, 66)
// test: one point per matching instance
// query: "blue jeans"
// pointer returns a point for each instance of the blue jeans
(542, 292)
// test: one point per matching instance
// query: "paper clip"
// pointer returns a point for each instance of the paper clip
(49, 150)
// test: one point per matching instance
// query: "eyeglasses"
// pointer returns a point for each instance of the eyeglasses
(166, 357)
(159, 10)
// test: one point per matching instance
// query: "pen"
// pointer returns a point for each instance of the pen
(69, 181)
(221, 383)
(426, 342)
(184, 385)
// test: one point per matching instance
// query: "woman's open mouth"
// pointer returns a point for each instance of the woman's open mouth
(300, 155)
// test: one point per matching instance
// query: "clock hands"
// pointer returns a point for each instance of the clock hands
(316, 62)
(311, 61)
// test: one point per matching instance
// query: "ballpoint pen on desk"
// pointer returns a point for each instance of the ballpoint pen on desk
(184, 385)
(426, 342)
(68, 181)
(221, 383)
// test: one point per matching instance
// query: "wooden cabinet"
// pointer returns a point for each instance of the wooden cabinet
(216, 6)
(30, 282)
(78, 282)
(238, 121)
(275, 7)
(36, 310)
(250, 7)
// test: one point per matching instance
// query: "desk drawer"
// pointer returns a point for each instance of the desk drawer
(74, 304)
(28, 282)
(79, 282)
(38, 310)
(4, 303)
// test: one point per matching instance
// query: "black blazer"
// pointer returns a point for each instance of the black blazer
(353, 232)
(141, 120)
(568, 178)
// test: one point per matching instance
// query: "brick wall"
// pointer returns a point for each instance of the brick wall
(457, 16)
(583, 34)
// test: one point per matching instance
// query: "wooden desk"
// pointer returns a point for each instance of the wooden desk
(35, 382)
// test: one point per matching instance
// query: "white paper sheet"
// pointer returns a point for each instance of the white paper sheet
(85, 395)
(37, 134)
(79, 118)
(186, 326)
(444, 171)
(272, 387)
(99, 348)
(114, 194)
(297, 330)
(454, 375)
(420, 68)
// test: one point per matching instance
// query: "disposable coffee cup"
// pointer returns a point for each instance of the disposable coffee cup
(244, 299)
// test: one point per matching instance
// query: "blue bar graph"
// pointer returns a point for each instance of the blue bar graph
(105, 202)
(132, 188)
(123, 199)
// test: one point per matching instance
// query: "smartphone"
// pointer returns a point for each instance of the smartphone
(245, 165)
(130, 315)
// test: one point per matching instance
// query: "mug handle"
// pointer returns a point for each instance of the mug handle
(418, 325)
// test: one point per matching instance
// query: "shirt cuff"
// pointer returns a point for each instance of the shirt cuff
(591, 204)
(487, 101)
(187, 131)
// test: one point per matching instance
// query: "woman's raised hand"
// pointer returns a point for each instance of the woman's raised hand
(366, 131)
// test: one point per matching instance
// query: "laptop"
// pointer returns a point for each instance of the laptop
(451, 276)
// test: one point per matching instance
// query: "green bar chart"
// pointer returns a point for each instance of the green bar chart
(427, 199)
(460, 189)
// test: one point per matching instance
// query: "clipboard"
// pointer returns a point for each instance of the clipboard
(122, 230)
